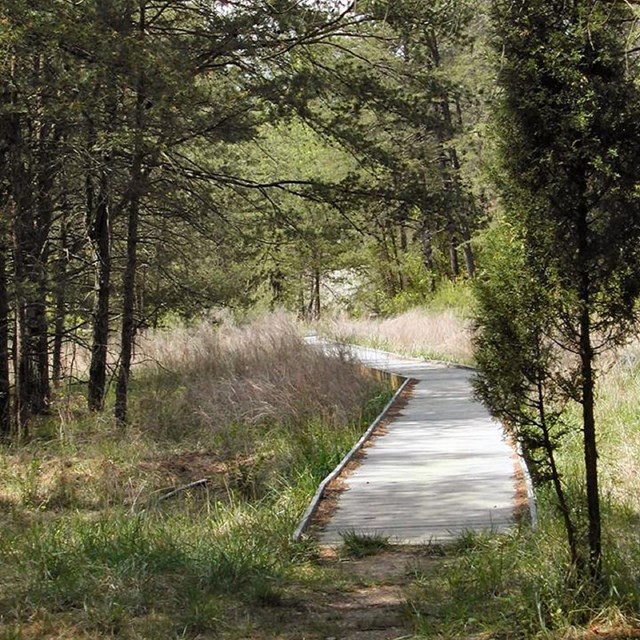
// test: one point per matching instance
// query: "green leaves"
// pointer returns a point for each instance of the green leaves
(569, 142)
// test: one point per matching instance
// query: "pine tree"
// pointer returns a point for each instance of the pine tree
(569, 132)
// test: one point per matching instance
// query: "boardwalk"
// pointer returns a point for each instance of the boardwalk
(442, 468)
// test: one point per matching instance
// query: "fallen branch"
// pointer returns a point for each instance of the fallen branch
(186, 487)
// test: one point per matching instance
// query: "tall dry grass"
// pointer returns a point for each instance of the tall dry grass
(441, 335)
(240, 404)
(209, 378)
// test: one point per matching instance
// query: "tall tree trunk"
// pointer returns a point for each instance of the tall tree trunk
(396, 263)
(48, 169)
(302, 307)
(427, 254)
(454, 263)
(590, 445)
(316, 294)
(28, 396)
(6, 135)
(590, 448)
(101, 238)
(587, 381)
(34, 165)
(60, 305)
(5, 384)
(427, 248)
(462, 207)
(467, 249)
(276, 284)
(389, 245)
(129, 280)
(128, 295)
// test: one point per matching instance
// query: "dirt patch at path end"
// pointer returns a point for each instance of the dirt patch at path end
(366, 600)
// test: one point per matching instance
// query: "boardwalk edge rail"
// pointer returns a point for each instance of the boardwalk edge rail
(313, 505)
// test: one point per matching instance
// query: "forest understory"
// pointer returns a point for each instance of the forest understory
(96, 545)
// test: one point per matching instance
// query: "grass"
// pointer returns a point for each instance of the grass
(517, 586)
(425, 333)
(91, 551)
(357, 545)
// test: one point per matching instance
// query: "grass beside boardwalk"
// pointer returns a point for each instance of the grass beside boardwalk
(89, 547)
(516, 586)
(424, 333)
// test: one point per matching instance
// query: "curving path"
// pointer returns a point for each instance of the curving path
(443, 466)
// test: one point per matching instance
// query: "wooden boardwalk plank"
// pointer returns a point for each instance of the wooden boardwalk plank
(442, 468)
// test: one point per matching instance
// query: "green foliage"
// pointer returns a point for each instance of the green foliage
(358, 545)
(569, 142)
(518, 367)
(392, 98)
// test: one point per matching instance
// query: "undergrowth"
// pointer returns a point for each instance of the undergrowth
(91, 549)
(517, 585)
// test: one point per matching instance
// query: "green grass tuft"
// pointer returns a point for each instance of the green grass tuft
(358, 545)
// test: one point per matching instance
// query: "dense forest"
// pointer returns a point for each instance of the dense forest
(168, 163)
(161, 159)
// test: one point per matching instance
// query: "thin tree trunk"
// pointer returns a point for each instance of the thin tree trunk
(6, 128)
(60, 306)
(563, 506)
(48, 169)
(129, 280)
(276, 280)
(395, 267)
(302, 307)
(463, 207)
(316, 294)
(34, 165)
(454, 263)
(312, 296)
(101, 237)
(404, 243)
(28, 388)
(590, 446)
(17, 426)
(427, 248)
(128, 305)
(427, 254)
(588, 418)
(5, 385)
(467, 249)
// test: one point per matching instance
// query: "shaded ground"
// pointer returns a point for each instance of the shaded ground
(366, 600)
